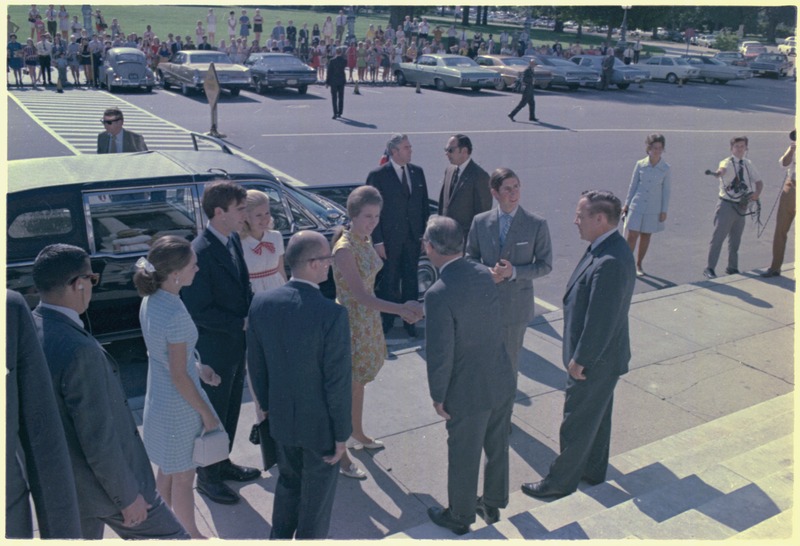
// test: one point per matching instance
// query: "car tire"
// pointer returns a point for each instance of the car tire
(672, 78)
(302, 89)
(710, 80)
(722, 82)
(185, 91)
(235, 92)
(164, 82)
(501, 86)
(573, 87)
(148, 89)
(401, 78)
(440, 85)
(259, 87)
(110, 86)
(476, 89)
(623, 86)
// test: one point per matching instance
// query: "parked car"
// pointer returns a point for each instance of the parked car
(115, 205)
(771, 64)
(789, 46)
(752, 50)
(670, 68)
(280, 70)
(733, 58)
(715, 71)
(126, 67)
(707, 40)
(444, 71)
(567, 74)
(511, 68)
(187, 70)
(622, 76)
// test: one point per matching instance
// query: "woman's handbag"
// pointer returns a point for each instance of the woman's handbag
(211, 447)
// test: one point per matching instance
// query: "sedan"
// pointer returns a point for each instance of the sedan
(280, 70)
(445, 71)
(715, 71)
(126, 67)
(511, 68)
(670, 68)
(567, 74)
(187, 70)
(733, 58)
(752, 50)
(771, 64)
(789, 46)
(622, 76)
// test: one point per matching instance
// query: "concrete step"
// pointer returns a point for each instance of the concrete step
(775, 528)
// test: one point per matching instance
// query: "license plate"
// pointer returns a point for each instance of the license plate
(134, 76)
(291, 82)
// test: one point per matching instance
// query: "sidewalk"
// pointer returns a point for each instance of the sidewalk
(700, 352)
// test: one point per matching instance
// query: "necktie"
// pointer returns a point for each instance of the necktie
(454, 181)
(505, 225)
(232, 251)
(741, 171)
(113, 147)
(404, 179)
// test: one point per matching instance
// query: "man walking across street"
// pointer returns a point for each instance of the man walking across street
(115, 139)
(607, 66)
(527, 94)
(298, 354)
(465, 188)
(470, 378)
(595, 347)
(336, 79)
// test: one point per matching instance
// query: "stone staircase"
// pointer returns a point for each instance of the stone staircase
(731, 477)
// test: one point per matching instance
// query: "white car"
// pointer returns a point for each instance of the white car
(707, 40)
(670, 68)
(789, 46)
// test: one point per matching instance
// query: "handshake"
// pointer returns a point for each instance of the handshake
(411, 311)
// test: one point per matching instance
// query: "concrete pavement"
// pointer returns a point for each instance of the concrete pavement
(701, 352)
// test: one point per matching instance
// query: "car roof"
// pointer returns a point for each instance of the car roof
(87, 169)
(123, 50)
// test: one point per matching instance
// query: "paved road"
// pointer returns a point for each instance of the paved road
(587, 139)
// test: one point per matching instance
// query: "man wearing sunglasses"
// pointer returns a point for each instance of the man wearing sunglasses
(113, 476)
(115, 139)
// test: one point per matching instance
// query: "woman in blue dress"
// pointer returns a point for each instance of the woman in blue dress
(176, 408)
(646, 205)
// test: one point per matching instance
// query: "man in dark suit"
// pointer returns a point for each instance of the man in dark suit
(36, 449)
(218, 301)
(113, 476)
(515, 245)
(336, 78)
(298, 354)
(399, 232)
(607, 68)
(115, 139)
(596, 347)
(470, 378)
(527, 94)
(465, 188)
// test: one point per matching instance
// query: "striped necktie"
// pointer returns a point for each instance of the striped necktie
(505, 225)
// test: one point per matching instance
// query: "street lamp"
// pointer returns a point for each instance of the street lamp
(624, 27)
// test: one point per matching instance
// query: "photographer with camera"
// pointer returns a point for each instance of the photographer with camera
(786, 211)
(739, 183)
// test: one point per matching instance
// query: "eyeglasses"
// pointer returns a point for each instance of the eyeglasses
(451, 150)
(94, 278)
(321, 258)
(110, 121)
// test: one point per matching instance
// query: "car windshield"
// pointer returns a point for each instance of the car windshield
(515, 61)
(280, 62)
(211, 58)
(770, 58)
(459, 61)
(557, 62)
(130, 58)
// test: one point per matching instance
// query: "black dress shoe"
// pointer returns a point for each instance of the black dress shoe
(771, 273)
(218, 492)
(489, 514)
(542, 489)
(534, 119)
(511, 117)
(443, 518)
(731, 271)
(238, 473)
(709, 273)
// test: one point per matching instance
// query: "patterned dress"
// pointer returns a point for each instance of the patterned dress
(263, 259)
(170, 424)
(366, 332)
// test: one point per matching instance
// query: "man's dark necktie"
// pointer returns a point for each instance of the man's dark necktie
(232, 250)
(404, 180)
(454, 181)
(741, 171)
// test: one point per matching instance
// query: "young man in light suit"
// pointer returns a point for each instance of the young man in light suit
(515, 258)
(470, 378)
(596, 347)
(115, 139)
(298, 354)
(465, 188)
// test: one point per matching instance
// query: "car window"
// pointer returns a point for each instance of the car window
(654, 60)
(129, 58)
(280, 218)
(40, 223)
(130, 220)
(301, 219)
(666, 61)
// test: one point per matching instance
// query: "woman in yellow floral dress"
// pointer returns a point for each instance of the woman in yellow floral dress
(355, 266)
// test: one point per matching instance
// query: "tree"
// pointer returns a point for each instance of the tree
(465, 16)
(776, 15)
(397, 14)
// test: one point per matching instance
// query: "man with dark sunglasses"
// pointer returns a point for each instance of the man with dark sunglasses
(115, 139)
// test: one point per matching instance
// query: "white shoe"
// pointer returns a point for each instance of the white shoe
(353, 472)
(352, 443)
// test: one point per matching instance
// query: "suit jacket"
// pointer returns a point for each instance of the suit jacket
(335, 74)
(403, 216)
(298, 357)
(36, 449)
(471, 195)
(468, 368)
(219, 297)
(131, 142)
(596, 306)
(109, 461)
(527, 248)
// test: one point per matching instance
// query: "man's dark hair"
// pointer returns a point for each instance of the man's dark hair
(222, 194)
(113, 112)
(604, 202)
(301, 248)
(736, 139)
(500, 175)
(445, 235)
(463, 141)
(56, 265)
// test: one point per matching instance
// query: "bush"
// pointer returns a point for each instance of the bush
(727, 42)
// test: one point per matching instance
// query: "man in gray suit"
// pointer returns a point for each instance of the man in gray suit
(113, 476)
(298, 354)
(515, 245)
(465, 188)
(470, 378)
(596, 347)
(115, 139)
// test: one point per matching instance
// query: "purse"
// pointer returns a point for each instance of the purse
(269, 456)
(211, 447)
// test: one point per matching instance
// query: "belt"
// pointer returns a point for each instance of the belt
(263, 274)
